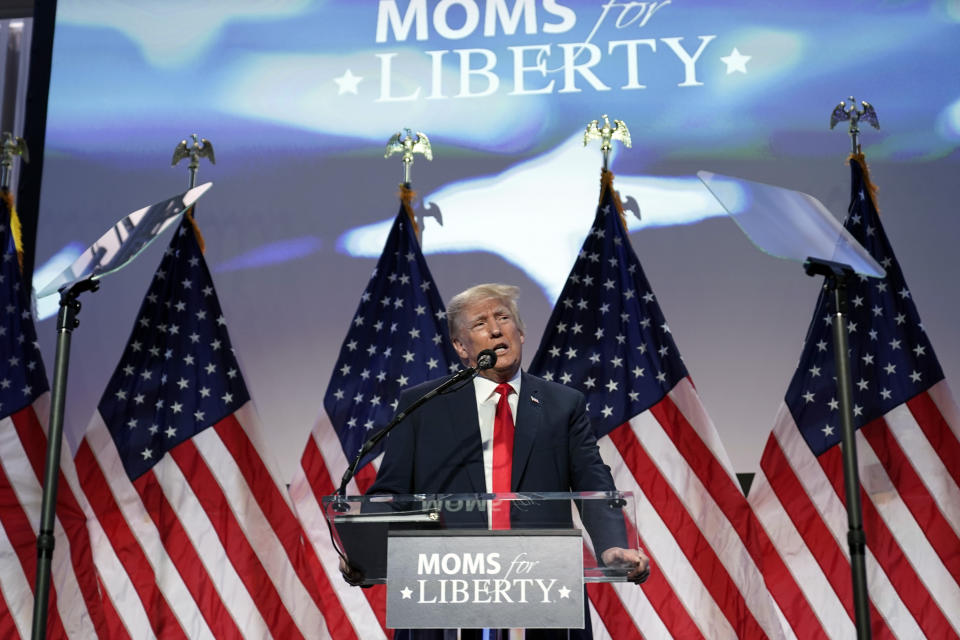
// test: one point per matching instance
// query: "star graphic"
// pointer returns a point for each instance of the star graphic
(564, 592)
(347, 83)
(406, 592)
(736, 61)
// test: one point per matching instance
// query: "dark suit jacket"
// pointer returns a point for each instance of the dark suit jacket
(437, 449)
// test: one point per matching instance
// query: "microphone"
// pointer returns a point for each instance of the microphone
(486, 359)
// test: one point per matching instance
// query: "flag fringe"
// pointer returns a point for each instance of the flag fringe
(406, 195)
(16, 228)
(860, 159)
(196, 230)
(606, 182)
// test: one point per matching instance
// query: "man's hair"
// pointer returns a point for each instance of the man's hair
(505, 293)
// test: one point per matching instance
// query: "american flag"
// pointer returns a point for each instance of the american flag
(608, 338)
(397, 338)
(193, 536)
(908, 444)
(74, 607)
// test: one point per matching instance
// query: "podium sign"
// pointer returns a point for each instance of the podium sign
(474, 579)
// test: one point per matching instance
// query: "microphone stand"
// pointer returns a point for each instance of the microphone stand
(374, 440)
(485, 360)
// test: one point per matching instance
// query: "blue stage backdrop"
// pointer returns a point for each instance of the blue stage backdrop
(299, 98)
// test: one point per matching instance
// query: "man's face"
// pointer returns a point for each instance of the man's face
(488, 324)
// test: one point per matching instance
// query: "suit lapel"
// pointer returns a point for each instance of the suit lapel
(529, 419)
(463, 417)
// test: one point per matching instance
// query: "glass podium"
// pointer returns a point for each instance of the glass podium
(361, 525)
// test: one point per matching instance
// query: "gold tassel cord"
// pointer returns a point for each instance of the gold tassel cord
(196, 230)
(606, 182)
(15, 227)
(860, 159)
(407, 195)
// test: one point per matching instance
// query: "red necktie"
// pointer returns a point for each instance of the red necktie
(502, 456)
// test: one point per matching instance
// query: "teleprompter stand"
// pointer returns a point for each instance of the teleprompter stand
(114, 250)
(796, 226)
(66, 323)
(837, 276)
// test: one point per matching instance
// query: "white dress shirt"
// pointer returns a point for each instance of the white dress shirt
(487, 398)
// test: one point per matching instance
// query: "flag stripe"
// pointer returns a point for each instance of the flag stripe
(819, 602)
(180, 551)
(114, 580)
(927, 464)
(630, 605)
(114, 623)
(8, 621)
(729, 498)
(351, 604)
(637, 604)
(827, 510)
(337, 621)
(889, 614)
(21, 533)
(942, 438)
(270, 524)
(20, 497)
(319, 483)
(683, 396)
(75, 575)
(659, 590)
(816, 481)
(805, 517)
(30, 442)
(688, 535)
(19, 567)
(713, 526)
(125, 544)
(914, 494)
(235, 544)
(949, 410)
(888, 553)
(610, 608)
(359, 606)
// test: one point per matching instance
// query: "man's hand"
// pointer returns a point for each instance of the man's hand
(634, 561)
(351, 575)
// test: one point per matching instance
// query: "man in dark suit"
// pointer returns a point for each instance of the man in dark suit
(455, 442)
